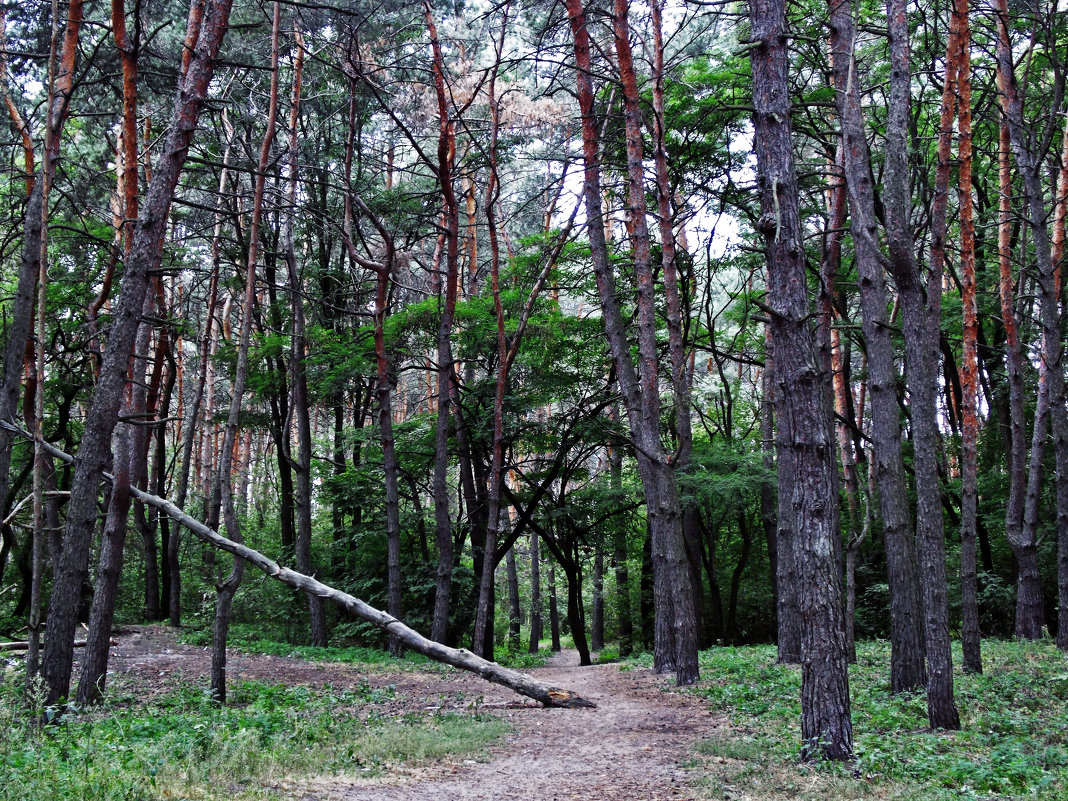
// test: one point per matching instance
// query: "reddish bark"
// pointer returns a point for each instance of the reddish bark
(969, 370)
(103, 411)
(13, 110)
(446, 154)
(676, 630)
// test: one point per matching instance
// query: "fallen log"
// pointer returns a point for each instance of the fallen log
(24, 645)
(457, 657)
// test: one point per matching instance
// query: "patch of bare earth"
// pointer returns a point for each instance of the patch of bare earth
(632, 746)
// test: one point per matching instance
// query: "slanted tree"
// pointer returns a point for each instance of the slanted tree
(675, 648)
(207, 24)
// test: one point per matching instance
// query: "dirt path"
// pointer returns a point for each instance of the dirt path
(631, 747)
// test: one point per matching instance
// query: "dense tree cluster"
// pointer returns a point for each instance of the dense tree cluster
(744, 322)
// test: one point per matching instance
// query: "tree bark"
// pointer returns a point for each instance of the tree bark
(907, 669)
(451, 213)
(922, 324)
(223, 493)
(514, 612)
(483, 636)
(674, 619)
(203, 388)
(969, 361)
(625, 622)
(206, 37)
(554, 611)
(130, 448)
(1022, 530)
(535, 595)
(303, 498)
(597, 623)
(803, 413)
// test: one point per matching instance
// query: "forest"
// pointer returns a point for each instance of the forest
(673, 333)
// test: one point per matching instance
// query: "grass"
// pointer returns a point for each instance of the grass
(247, 638)
(1013, 744)
(181, 746)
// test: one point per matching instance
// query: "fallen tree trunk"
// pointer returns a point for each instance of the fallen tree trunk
(24, 645)
(457, 657)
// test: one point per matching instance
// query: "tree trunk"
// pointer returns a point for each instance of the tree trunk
(922, 323)
(223, 492)
(732, 634)
(597, 624)
(207, 26)
(203, 388)
(576, 620)
(969, 365)
(535, 594)
(768, 511)
(130, 470)
(22, 306)
(677, 307)
(147, 521)
(451, 214)
(483, 636)
(803, 412)
(554, 612)
(514, 609)
(303, 497)
(1023, 537)
(674, 618)
(787, 581)
(907, 669)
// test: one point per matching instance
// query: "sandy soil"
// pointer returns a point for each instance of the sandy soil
(631, 747)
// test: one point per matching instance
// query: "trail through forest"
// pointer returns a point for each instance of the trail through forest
(633, 745)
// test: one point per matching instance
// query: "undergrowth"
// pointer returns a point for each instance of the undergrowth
(1013, 742)
(248, 638)
(182, 746)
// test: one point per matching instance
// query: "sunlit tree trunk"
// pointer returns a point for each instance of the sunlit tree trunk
(969, 369)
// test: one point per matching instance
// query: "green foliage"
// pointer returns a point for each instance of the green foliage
(180, 745)
(521, 659)
(1014, 741)
(252, 639)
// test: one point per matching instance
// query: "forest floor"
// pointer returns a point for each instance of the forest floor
(634, 745)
